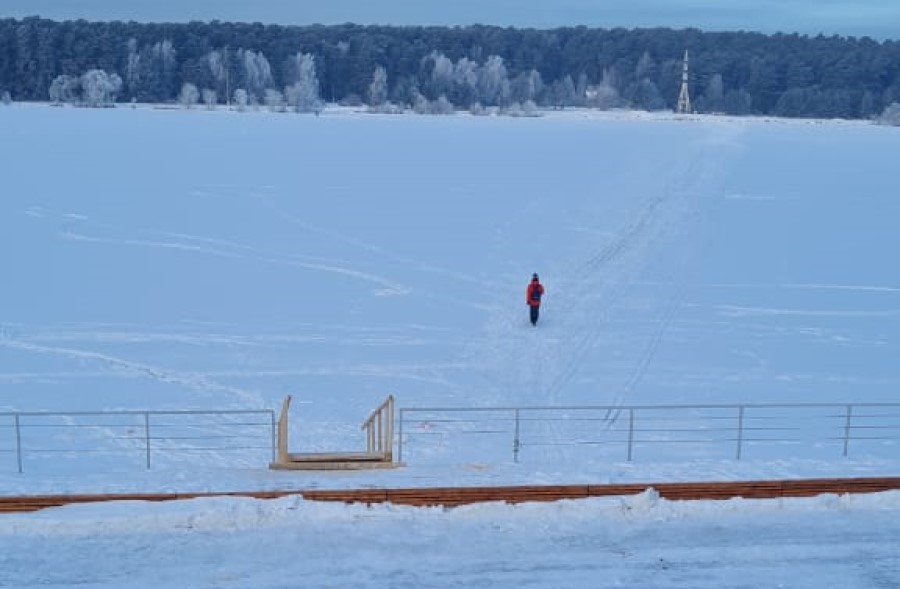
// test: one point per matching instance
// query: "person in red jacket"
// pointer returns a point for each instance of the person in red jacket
(533, 295)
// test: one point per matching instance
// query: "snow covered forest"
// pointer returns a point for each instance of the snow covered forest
(442, 69)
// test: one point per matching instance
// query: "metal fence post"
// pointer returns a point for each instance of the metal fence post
(740, 431)
(516, 442)
(272, 435)
(147, 435)
(847, 430)
(18, 443)
(630, 432)
(400, 437)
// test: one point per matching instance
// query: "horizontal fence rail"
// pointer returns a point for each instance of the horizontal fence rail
(135, 438)
(617, 432)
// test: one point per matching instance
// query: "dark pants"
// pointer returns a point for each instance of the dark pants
(535, 311)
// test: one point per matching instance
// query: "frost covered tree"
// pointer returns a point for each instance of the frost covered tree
(274, 100)
(159, 71)
(241, 99)
(646, 96)
(65, 89)
(563, 93)
(891, 115)
(210, 98)
(378, 88)
(465, 82)
(257, 74)
(420, 104)
(646, 67)
(528, 86)
(99, 88)
(189, 95)
(715, 94)
(5, 98)
(442, 106)
(603, 96)
(303, 94)
(132, 68)
(493, 82)
(526, 109)
(217, 61)
(441, 79)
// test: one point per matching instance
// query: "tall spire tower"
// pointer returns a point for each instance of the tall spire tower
(684, 98)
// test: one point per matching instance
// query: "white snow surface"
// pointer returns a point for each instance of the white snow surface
(159, 259)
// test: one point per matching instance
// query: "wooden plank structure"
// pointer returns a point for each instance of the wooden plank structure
(379, 452)
(455, 496)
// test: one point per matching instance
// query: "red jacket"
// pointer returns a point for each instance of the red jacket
(530, 299)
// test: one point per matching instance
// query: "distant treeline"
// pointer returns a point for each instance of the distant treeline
(462, 67)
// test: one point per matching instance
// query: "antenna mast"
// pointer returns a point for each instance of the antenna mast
(684, 99)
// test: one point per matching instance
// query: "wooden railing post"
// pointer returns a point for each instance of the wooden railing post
(389, 431)
(283, 430)
(379, 428)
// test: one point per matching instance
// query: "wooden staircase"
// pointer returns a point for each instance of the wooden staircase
(379, 452)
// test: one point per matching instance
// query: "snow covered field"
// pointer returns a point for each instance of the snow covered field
(161, 259)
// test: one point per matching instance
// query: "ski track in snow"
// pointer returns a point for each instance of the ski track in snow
(380, 251)
(196, 382)
(533, 369)
(242, 252)
(385, 254)
(198, 244)
(739, 311)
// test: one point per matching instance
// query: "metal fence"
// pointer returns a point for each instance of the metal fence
(113, 439)
(145, 439)
(665, 431)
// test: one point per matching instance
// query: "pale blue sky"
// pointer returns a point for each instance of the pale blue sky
(875, 18)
